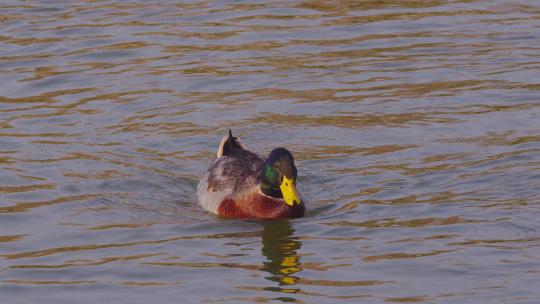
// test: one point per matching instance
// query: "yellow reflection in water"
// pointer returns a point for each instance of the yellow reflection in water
(280, 248)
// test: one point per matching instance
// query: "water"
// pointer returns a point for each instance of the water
(415, 125)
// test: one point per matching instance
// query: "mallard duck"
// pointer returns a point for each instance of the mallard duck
(242, 184)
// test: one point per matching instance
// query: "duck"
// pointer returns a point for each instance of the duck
(244, 185)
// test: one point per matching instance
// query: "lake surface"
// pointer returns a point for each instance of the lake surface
(415, 126)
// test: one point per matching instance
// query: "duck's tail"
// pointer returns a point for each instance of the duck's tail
(229, 144)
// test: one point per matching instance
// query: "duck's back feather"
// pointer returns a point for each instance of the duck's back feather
(230, 145)
(227, 177)
(236, 173)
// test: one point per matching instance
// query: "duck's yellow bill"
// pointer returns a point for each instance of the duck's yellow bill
(288, 189)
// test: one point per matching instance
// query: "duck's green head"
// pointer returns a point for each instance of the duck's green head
(278, 176)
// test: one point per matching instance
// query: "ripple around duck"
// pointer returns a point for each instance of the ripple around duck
(414, 126)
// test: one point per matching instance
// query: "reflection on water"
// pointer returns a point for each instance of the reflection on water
(280, 247)
(415, 127)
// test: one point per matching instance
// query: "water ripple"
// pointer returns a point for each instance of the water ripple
(414, 126)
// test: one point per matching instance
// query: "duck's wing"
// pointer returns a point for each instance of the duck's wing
(235, 167)
(227, 177)
(235, 171)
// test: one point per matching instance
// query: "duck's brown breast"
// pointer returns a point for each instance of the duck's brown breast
(256, 205)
